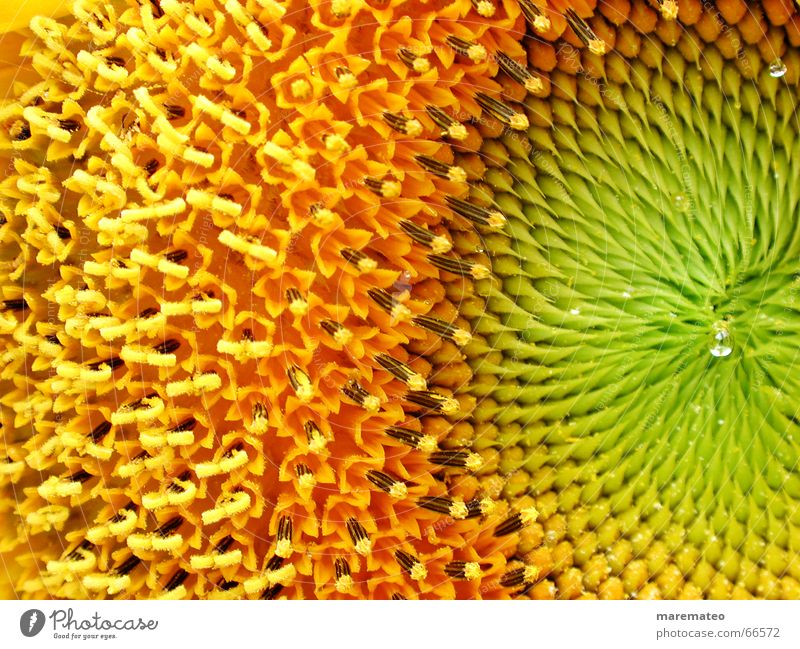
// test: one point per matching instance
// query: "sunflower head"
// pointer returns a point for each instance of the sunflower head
(324, 300)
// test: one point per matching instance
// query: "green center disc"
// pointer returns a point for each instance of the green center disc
(648, 318)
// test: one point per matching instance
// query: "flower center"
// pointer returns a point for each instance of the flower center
(648, 313)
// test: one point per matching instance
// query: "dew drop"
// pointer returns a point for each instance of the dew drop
(680, 202)
(721, 344)
(777, 69)
(575, 311)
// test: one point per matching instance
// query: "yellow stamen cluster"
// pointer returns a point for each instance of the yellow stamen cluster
(216, 328)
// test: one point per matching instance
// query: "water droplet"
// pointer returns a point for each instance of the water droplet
(720, 421)
(680, 202)
(721, 342)
(777, 69)
(626, 294)
(575, 311)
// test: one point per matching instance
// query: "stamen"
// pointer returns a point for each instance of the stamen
(151, 166)
(15, 305)
(175, 486)
(387, 302)
(216, 203)
(459, 266)
(520, 577)
(534, 16)
(272, 592)
(185, 425)
(444, 329)
(224, 544)
(167, 347)
(196, 385)
(484, 8)
(99, 431)
(452, 173)
(224, 115)
(181, 435)
(480, 507)
(358, 259)
(411, 565)
(451, 128)
(392, 486)
(358, 534)
(112, 363)
(453, 507)
(433, 401)
(283, 544)
(475, 214)
(306, 480)
(457, 458)
(344, 581)
(502, 112)
(176, 256)
(20, 131)
(77, 553)
(166, 529)
(519, 73)
(475, 52)
(346, 78)
(512, 524)
(247, 245)
(145, 409)
(316, 440)
(585, 33)
(383, 188)
(398, 596)
(340, 334)
(297, 303)
(230, 504)
(158, 12)
(405, 125)
(412, 61)
(301, 383)
(321, 215)
(157, 211)
(233, 458)
(469, 570)
(259, 418)
(127, 566)
(174, 112)
(401, 371)
(516, 521)
(412, 438)
(357, 393)
(176, 580)
(425, 237)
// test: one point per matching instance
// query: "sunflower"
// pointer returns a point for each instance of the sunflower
(399, 299)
